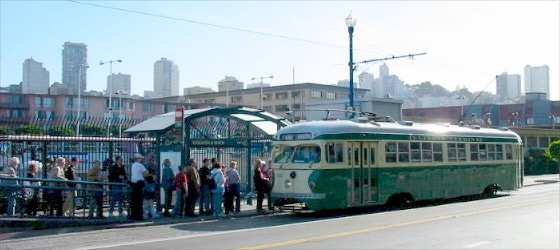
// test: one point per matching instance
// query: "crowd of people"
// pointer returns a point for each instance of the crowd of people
(213, 186)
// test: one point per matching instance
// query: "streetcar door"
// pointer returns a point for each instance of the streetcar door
(369, 172)
(355, 191)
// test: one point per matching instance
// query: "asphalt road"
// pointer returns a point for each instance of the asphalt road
(525, 219)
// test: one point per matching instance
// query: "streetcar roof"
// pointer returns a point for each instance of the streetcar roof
(335, 127)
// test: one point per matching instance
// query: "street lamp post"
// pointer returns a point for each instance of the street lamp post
(120, 92)
(261, 77)
(351, 23)
(80, 67)
(110, 91)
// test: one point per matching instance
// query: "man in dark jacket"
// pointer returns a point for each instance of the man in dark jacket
(204, 174)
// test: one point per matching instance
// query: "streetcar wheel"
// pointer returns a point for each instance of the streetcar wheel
(491, 191)
(400, 201)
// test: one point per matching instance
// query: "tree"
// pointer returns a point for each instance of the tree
(30, 130)
(5, 130)
(554, 150)
(93, 130)
(61, 131)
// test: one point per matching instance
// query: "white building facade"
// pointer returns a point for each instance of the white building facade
(537, 80)
(74, 55)
(508, 86)
(120, 82)
(35, 78)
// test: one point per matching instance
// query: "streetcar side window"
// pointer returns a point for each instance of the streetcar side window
(509, 153)
(451, 151)
(390, 152)
(491, 152)
(372, 156)
(499, 152)
(482, 152)
(474, 152)
(403, 151)
(284, 156)
(333, 152)
(415, 152)
(307, 154)
(426, 152)
(438, 152)
(461, 152)
(349, 157)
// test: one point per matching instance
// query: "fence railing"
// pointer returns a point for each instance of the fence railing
(35, 196)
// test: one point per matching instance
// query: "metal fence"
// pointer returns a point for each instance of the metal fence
(38, 196)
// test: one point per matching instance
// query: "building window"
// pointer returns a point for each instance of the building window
(267, 97)
(330, 95)
(295, 94)
(236, 99)
(48, 102)
(38, 102)
(70, 102)
(15, 99)
(210, 101)
(281, 108)
(543, 142)
(281, 95)
(148, 107)
(316, 94)
(296, 106)
(530, 121)
(132, 106)
(531, 142)
(267, 108)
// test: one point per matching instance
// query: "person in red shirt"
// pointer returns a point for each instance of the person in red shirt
(181, 185)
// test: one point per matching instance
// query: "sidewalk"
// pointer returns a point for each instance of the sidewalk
(18, 227)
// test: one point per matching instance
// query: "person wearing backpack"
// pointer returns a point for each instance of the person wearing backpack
(167, 183)
(218, 191)
(150, 188)
(181, 185)
(204, 174)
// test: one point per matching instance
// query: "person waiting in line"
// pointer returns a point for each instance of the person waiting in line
(204, 174)
(11, 192)
(167, 185)
(150, 191)
(137, 177)
(218, 192)
(31, 195)
(70, 174)
(181, 186)
(267, 171)
(260, 181)
(193, 187)
(117, 174)
(96, 194)
(232, 189)
(56, 173)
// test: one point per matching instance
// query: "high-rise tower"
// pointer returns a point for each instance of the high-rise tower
(508, 86)
(166, 78)
(537, 80)
(73, 56)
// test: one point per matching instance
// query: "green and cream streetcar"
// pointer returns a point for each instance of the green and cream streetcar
(351, 163)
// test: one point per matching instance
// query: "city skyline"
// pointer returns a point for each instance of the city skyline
(462, 50)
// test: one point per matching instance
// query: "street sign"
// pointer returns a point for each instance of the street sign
(179, 117)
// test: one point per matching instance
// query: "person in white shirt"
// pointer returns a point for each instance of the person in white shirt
(10, 171)
(137, 176)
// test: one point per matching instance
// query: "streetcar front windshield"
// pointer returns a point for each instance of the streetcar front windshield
(307, 154)
(284, 156)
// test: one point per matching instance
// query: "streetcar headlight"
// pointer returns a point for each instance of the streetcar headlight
(312, 185)
(288, 183)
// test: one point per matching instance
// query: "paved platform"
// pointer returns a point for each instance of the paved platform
(17, 227)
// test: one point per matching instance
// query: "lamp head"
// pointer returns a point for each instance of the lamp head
(350, 21)
(119, 60)
(101, 63)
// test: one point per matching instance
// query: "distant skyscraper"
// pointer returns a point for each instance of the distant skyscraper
(508, 86)
(166, 78)
(35, 78)
(120, 82)
(73, 56)
(383, 70)
(231, 83)
(537, 80)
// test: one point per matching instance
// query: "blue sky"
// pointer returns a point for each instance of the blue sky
(468, 42)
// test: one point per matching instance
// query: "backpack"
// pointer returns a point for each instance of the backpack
(212, 183)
